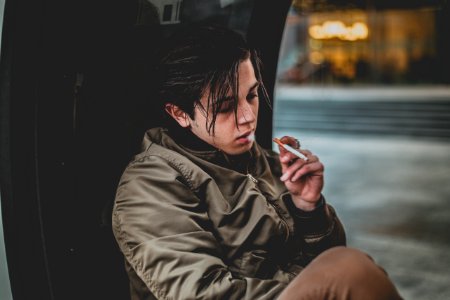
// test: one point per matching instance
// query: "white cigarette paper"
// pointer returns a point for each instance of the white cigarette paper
(290, 149)
(295, 152)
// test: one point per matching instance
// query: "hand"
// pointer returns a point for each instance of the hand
(303, 179)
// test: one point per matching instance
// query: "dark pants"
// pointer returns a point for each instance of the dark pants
(341, 273)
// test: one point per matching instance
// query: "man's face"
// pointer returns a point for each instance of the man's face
(228, 136)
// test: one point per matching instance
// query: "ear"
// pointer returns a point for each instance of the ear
(178, 115)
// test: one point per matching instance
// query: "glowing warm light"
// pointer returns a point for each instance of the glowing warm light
(315, 44)
(337, 29)
(334, 28)
(316, 57)
(360, 30)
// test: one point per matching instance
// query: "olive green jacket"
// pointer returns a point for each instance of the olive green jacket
(193, 227)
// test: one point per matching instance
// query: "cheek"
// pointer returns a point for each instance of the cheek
(255, 108)
(230, 128)
(225, 126)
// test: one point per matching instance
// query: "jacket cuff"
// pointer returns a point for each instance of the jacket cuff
(308, 223)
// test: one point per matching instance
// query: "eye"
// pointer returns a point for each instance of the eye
(252, 96)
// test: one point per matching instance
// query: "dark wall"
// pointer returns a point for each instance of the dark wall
(69, 138)
(74, 106)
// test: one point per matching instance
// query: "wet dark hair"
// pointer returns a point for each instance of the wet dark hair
(200, 59)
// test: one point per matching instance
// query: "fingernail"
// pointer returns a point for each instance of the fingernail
(286, 158)
(283, 178)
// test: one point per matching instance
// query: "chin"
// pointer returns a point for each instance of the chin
(240, 150)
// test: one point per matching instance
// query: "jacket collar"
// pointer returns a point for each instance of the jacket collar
(186, 143)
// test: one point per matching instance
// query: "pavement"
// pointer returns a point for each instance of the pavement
(393, 197)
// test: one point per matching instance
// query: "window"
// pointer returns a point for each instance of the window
(365, 85)
(337, 44)
(167, 14)
(378, 68)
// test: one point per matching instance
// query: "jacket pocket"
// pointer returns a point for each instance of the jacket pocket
(257, 264)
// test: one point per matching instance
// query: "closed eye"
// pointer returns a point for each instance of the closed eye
(252, 96)
(253, 92)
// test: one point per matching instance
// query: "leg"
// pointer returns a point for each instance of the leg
(341, 273)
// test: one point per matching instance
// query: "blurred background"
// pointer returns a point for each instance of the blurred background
(366, 86)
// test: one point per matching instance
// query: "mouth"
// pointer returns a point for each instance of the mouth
(247, 137)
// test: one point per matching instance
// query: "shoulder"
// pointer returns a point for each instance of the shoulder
(157, 163)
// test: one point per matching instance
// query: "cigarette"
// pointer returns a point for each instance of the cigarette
(290, 149)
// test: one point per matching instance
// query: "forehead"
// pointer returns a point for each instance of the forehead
(246, 72)
(223, 90)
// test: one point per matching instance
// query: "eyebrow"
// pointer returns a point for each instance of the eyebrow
(255, 85)
(229, 98)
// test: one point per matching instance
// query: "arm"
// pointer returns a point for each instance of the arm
(319, 229)
(165, 235)
(315, 222)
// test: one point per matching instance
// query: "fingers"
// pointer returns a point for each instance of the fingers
(286, 157)
(293, 142)
(300, 168)
(312, 169)
(294, 168)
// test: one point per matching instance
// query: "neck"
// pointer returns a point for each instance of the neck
(186, 138)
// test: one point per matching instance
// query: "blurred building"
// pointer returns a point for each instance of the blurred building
(367, 67)
(365, 44)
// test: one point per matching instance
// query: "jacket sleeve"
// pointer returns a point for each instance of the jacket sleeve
(318, 230)
(165, 234)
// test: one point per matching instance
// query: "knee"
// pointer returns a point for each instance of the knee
(356, 273)
(349, 260)
(344, 273)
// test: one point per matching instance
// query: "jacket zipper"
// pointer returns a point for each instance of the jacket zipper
(276, 209)
(252, 178)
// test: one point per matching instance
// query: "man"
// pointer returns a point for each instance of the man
(205, 213)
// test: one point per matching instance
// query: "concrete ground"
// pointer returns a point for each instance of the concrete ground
(393, 196)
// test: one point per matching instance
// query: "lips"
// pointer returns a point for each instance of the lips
(245, 135)
(246, 138)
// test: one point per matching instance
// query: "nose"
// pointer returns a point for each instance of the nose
(245, 113)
